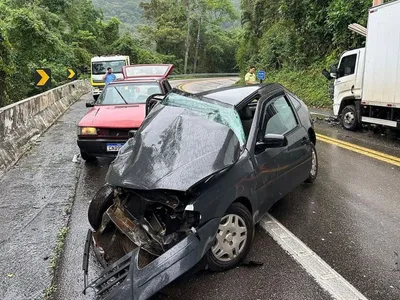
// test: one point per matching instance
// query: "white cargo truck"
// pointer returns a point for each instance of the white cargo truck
(367, 80)
(99, 67)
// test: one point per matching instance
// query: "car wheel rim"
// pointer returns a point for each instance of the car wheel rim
(313, 164)
(349, 118)
(230, 239)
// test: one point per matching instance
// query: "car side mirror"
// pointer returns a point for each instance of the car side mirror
(152, 101)
(271, 140)
(131, 133)
(90, 104)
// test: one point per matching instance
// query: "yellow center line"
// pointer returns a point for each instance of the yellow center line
(361, 150)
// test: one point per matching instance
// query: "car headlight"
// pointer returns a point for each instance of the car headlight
(88, 131)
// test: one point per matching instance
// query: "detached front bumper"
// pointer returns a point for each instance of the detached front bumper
(98, 147)
(123, 280)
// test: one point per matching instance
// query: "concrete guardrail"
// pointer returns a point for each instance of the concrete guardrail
(23, 121)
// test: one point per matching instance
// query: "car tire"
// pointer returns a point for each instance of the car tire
(87, 157)
(103, 199)
(314, 166)
(240, 224)
(348, 118)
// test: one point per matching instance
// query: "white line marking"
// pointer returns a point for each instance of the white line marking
(331, 281)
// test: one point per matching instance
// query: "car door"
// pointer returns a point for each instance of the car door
(297, 155)
(279, 169)
(269, 163)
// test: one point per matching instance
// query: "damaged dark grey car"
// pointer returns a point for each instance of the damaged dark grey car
(191, 184)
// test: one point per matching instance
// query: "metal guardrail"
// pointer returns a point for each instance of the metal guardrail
(205, 75)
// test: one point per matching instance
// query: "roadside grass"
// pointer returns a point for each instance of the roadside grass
(62, 234)
(49, 292)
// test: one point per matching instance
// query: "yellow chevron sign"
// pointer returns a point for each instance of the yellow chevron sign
(42, 77)
(71, 74)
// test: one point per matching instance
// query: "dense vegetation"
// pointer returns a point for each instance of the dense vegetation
(293, 40)
(59, 34)
(128, 12)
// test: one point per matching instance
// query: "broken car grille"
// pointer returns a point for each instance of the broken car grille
(112, 276)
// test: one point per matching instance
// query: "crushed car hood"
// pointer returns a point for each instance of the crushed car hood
(173, 149)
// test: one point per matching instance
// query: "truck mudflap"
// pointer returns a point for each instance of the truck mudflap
(125, 280)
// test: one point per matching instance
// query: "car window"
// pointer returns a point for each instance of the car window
(211, 110)
(295, 101)
(280, 117)
(127, 93)
(347, 65)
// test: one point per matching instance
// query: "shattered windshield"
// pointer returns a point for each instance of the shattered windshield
(211, 110)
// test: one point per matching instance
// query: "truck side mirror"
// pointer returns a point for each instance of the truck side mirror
(327, 75)
(90, 104)
(333, 71)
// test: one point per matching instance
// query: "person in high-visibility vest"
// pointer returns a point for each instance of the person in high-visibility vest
(250, 77)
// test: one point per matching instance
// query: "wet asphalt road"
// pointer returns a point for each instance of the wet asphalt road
(350, 217)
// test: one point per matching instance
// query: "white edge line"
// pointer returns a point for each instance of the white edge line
(331, 281)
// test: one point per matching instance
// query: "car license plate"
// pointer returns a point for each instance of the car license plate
(114, 147)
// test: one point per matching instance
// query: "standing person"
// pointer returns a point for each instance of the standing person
(109, 76)
(250, 77)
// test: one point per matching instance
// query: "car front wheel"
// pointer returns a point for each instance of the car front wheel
(233, 239)
(103, 199)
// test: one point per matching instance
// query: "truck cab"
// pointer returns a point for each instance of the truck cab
(99, 67)
(348, 79)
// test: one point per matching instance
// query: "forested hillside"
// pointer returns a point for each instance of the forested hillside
(67, 33)
(128, 12)
(293, 40)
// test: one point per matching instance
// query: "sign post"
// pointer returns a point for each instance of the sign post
(261, 76)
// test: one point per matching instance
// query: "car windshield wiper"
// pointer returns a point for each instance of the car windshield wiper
(120, 95)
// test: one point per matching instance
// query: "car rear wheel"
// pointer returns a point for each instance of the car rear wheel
(314, 166)
(233, 239)
(103, 199)
(87, 157)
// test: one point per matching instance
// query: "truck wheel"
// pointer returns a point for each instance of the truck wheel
(233, 239)
(314, 166)
(87, 157)
(103, 199)
(349, 118)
